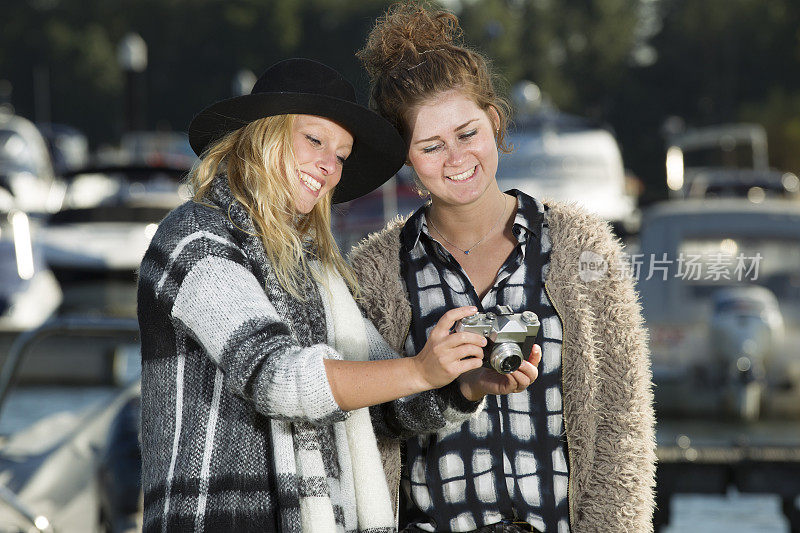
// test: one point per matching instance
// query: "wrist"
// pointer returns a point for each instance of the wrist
(469, 392)
(417, 374)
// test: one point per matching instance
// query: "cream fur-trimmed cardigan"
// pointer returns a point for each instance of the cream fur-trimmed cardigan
(607, 391)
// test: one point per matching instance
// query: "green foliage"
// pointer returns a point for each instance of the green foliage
(715, 60)
(780, 115)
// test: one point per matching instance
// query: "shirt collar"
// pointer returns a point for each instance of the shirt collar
(528, 220)
(409, 236)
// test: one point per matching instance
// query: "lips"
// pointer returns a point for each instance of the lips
(464, 175)
(310, 182)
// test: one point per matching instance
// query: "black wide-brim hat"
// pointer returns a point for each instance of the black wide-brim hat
(303, 86)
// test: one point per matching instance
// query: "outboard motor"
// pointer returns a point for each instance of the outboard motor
(746, 330)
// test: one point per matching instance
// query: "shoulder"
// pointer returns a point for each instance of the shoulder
(378, 253)
(575, 230)
(192, 215)
(376, 263)
(187, 235)
(192, 222)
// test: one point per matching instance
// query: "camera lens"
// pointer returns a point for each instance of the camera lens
(505, 357)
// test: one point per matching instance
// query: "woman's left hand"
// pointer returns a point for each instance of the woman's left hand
(477, 383)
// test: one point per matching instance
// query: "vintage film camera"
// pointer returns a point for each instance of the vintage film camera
(510, 335)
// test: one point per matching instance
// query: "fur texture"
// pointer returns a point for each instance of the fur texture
(608, 401)
(377, 261)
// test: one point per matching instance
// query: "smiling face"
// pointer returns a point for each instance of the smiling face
(452, 148)
(320, 148)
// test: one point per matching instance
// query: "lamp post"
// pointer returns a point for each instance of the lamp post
(132, 58)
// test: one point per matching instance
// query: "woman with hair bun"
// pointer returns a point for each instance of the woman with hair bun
(575, 451)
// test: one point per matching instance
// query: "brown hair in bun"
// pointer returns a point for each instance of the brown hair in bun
(413, 54)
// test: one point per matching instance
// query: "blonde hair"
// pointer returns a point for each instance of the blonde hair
(413, 54)
(260, 165)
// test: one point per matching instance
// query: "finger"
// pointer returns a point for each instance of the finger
(465, 365)
(468, 350)
(462, 352)
(525, 374)
(536, 355)
(464, 338)
(516, 381)
(445, 323)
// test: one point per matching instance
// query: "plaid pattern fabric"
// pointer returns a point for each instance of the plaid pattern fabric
(240, 429)
(511, 460)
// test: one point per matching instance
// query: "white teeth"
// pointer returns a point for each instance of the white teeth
(464, 175)
(311, 182)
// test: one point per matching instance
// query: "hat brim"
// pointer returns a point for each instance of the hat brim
(378, 149)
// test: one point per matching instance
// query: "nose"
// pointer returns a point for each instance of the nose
(327, 162)
(455, 155)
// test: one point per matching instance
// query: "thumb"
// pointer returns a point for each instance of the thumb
(536, 355)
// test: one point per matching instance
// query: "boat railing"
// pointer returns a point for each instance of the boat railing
(97, 327)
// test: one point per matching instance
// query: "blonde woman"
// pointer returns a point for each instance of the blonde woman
(256, 360)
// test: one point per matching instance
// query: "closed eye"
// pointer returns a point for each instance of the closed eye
(314, 140)
(468, 134)
(430, 149)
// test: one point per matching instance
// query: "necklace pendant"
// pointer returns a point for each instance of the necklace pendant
(466, 252)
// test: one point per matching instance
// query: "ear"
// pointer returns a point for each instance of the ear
(494, 117)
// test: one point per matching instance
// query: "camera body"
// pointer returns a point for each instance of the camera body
(510, 336)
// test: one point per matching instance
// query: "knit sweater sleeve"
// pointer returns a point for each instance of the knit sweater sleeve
(208, 290)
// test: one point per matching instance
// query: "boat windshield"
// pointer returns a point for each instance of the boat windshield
(16, 154)
(711, 263)
(553, 167)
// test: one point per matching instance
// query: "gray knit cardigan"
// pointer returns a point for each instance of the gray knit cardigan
(607, 391)
(228, 356)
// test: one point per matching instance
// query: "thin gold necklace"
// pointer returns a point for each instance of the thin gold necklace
(468, 250)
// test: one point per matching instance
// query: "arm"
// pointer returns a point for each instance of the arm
(445, 356)
(626, 445)
(220, 303)
(376, 262)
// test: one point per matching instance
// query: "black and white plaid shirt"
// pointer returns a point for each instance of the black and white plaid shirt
(511, 461)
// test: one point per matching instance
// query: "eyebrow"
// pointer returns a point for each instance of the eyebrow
(429, 139)
(327, 132)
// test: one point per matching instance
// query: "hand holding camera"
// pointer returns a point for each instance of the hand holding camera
(447, 355)
(463, 341)
(510, 355)
(510, 336)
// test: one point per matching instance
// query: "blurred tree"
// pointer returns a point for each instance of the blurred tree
(627, 63)
(84, 81)
(718, 61)
(195, 47)
(780, 115)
